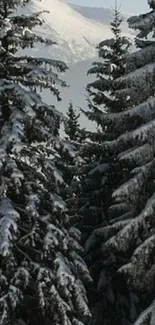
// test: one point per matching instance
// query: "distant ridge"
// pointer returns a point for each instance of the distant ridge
(76, 35)
(103, 15)
(100, 14)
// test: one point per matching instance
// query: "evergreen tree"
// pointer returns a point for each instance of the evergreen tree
(42, 273)
(110, 302)
(113, 53)
(128, 240)
(71, 124)
(103, 92)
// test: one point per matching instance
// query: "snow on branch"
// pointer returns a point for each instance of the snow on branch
(141, 57)
(8, 226)
(144, 111)
(121, 242)
(59, 65)
(139, 136)
(29, 20)
(145, 23)
(148, 315)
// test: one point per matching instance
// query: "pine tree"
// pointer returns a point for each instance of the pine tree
(42, 273)
(71, 124)
(103, 92)
(110, 302)
(128, 240)
(113, 53)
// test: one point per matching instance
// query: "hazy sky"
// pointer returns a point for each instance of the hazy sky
(129, 6)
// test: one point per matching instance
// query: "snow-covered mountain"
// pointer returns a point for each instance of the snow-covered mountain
(76, 35)
(102, 15)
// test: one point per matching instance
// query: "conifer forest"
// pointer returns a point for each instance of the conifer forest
(77, 205)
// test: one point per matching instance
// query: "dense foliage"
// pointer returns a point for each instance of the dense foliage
(126, 241)
(42, 273)
(100, 181)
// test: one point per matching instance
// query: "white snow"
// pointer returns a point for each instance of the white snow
(150, 311)
(76, 35)
(76, 38)
(8, 220)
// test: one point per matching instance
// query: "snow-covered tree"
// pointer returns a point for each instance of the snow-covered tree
(72, 124)
(103, 91)
(103, 99)
(127, 241)
(41, 271)
(109, 302)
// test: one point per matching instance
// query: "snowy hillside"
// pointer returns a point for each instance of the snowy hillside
(77, 79)
(77, 35)
(76, 38)
(102, 15)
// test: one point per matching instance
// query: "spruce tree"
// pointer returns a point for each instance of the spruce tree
(104, 96)
(128, 240)
(71, 124)
(42, 273)
(103, 92)
(109, 301)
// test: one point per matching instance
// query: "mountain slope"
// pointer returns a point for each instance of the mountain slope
(102, 15)
(77, 35)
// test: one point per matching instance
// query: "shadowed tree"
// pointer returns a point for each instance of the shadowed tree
(42, 273)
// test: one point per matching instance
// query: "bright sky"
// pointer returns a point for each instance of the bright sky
(128, 6)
